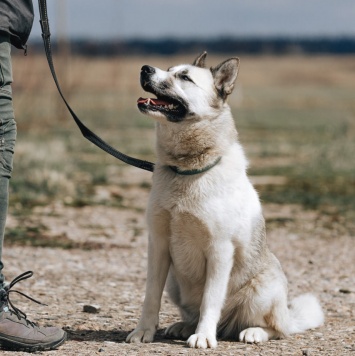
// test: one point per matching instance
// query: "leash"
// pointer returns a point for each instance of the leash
(86, 132)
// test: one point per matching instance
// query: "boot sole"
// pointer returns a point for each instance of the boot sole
(11, 345)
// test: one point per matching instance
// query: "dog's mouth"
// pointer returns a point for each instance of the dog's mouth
(172, 108)
(160, 104)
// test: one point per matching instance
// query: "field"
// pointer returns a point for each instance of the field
(83, 210)
(295, 117)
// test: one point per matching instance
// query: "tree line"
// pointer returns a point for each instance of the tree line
(224, 45)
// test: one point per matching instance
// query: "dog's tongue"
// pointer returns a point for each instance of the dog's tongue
(150, 101)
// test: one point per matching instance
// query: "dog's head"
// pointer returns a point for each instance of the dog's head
(187, 91)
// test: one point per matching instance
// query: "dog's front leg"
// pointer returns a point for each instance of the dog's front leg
(158, 267)
(219, 265)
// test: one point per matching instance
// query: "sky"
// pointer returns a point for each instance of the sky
(125, 19)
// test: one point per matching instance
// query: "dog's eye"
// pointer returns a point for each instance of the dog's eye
(186, 78)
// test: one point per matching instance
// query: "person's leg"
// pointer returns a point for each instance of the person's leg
(7, 135)
(16, 331)
(4, 186)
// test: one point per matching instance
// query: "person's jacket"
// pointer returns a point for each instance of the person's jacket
(16, 18)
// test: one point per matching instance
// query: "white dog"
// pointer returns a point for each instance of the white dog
(206, 229)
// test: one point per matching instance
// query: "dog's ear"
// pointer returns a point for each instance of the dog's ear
(225, 75)
(200, 60)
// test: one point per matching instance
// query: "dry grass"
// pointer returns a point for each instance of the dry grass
(295, 116)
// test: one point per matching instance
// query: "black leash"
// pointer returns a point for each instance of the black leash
(87, 133)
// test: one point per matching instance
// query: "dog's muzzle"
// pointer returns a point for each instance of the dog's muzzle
(170, 106)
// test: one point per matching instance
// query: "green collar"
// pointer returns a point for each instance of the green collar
(195, 171)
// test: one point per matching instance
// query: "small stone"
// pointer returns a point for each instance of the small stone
(91, 308)
(101, 350)
(306, 352)
(344, 290)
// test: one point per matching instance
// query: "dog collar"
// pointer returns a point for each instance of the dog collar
(194, 171)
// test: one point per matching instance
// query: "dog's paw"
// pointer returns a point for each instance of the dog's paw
(201, 341)
(141, 335)
(253, 335)
(180, 330)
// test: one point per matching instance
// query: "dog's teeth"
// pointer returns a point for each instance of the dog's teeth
(148, 101)
(171, 106)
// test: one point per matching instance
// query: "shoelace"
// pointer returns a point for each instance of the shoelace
(5, 296)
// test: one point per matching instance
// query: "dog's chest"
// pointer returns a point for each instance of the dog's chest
(189, 240)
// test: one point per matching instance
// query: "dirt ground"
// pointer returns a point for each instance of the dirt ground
(106, 266)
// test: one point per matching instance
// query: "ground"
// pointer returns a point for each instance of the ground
(104, 264)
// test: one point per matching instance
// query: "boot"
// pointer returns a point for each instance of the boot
(17, 333)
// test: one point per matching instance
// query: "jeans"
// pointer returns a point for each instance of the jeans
(7, 135)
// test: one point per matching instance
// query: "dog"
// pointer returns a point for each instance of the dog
(207, 239)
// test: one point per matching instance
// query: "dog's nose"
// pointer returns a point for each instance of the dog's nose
(148, 69)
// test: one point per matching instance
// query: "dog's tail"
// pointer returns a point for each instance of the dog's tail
(305, 313)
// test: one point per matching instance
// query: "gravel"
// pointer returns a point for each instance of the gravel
(316, 251)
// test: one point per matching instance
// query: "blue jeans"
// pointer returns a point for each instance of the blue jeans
(7, 135)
